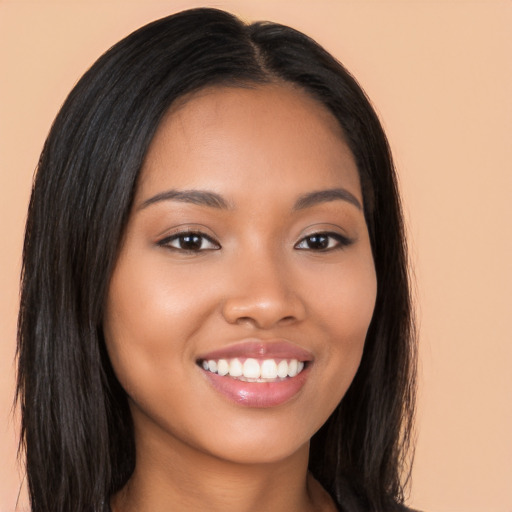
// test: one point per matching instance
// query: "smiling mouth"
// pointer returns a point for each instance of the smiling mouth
(256, 373)
(254, 370)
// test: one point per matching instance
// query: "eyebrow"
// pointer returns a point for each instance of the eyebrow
(199, 197)
(323, 196)
(213, 200)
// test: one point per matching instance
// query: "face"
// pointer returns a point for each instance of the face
(239, 305)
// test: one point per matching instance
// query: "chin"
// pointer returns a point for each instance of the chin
(261, 454)
(263, 442)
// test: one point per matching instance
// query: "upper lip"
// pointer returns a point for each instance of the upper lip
(259, 349)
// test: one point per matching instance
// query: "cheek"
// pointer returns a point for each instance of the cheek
(143, 314)
(154, 316)
(344, 308)
(147, 326)
(344, 299)
(151, 303)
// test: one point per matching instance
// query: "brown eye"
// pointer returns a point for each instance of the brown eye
(323, 242)
(189, 242)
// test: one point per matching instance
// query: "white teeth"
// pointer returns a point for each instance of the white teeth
(282, 369)
(292, 368)
(235, 368)
(253, 370)
(222, 367)
(269, 369)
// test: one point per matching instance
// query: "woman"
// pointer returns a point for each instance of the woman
(215, 310)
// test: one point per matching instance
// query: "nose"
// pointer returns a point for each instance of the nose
(264, 294)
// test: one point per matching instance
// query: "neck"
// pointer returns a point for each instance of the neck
(174, 476)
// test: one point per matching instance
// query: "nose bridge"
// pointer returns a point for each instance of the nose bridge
(263, 290)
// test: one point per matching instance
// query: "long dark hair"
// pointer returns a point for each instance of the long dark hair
(77, 433)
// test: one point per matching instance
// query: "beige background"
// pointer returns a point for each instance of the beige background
(440, 74)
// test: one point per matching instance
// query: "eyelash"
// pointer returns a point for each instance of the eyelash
(340, 242)
(181, 236)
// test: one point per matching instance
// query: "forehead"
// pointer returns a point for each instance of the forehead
(232, 139)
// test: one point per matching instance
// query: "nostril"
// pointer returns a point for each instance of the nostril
(263, 311)
(250, 320)
(244, 320)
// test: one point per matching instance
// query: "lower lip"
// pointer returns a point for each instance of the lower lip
(258, 394)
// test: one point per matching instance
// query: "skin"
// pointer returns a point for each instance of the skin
(257, 275)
